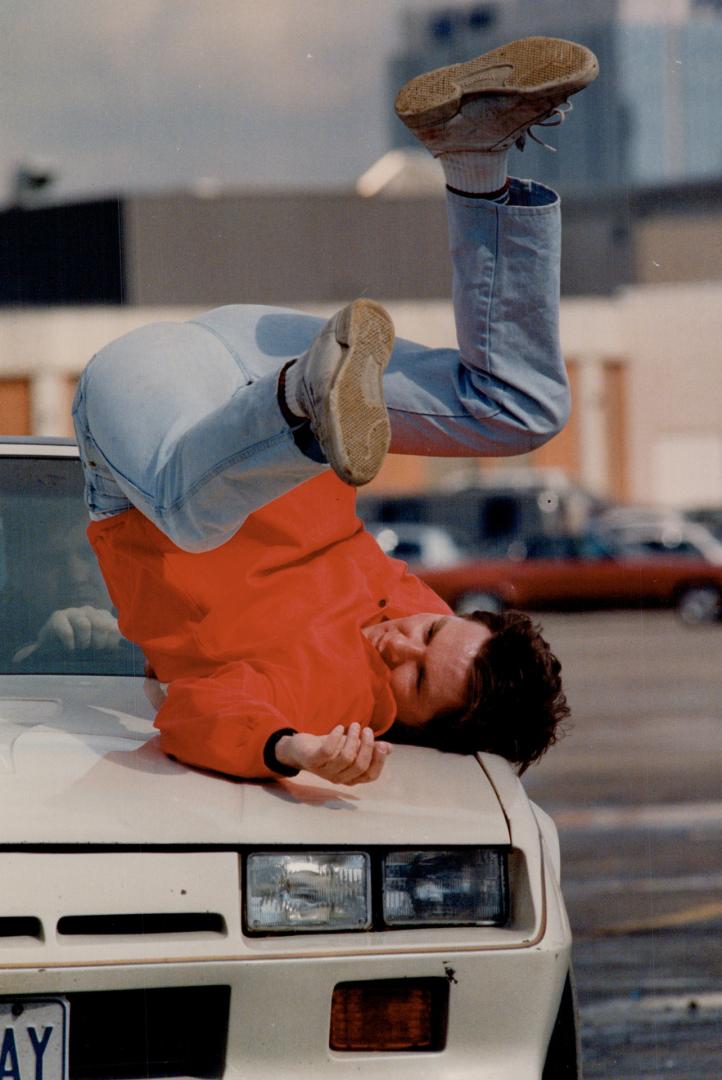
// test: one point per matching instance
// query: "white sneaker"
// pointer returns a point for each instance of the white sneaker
(338, 384)
(489, 103)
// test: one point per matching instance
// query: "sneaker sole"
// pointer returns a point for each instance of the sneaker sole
(357, 429)
(539, 65)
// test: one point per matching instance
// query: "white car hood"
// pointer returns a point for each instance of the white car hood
(80, 764)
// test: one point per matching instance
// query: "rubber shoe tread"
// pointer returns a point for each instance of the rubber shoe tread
(351, 421)
(547, 69)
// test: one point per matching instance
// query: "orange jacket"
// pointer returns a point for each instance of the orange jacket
(263, 632)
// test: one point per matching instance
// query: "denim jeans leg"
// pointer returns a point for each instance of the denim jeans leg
(504, 391)
(168, 421)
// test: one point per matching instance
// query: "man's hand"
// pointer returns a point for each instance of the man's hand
(75, 629)
(344, 757)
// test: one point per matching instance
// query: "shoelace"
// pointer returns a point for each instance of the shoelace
(556, 117)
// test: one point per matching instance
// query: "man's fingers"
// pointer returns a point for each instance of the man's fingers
(59, 627)
(329, 749)
(338, 749)
(348, 752)
(379, 758)
(366, 749)
(82, 629)
(345, 765)
(105, 635)
(75, 629)
(382, 752)
(357, 755)
(344, 757)
(369, 762)
(25, 652)
(105, 632)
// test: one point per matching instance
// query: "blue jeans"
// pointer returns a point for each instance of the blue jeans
(182, 421)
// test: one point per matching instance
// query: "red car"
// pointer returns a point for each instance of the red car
(577, 572)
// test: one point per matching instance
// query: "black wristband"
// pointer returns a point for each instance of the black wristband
(269, 753)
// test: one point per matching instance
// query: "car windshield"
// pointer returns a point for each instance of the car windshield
(49, 578)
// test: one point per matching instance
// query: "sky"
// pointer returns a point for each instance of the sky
(140, 95)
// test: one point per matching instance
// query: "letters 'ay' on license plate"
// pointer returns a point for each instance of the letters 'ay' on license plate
(34, 1039)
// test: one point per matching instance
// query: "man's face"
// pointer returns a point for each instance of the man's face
(430, 658)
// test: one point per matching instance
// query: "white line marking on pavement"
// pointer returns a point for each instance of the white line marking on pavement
(709, 1000)
(697, 815)
(683, 883)
(655, 1007)
(709, 911)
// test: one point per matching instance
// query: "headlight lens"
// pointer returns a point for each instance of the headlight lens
(445, 888)
(306, 891)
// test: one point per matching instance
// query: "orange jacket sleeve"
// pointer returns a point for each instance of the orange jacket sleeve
(221, 721)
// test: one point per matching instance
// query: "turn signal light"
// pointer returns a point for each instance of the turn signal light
(390, 1014)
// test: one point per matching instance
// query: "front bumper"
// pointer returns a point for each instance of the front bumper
(501, 1009)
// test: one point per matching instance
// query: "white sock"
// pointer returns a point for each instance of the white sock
(293, 374)
(475, 171)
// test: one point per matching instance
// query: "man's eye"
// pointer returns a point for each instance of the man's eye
(430, 632)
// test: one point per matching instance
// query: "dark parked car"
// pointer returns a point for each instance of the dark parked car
(577, 572)
(710, 516)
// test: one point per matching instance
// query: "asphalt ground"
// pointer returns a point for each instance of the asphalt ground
(635, 789)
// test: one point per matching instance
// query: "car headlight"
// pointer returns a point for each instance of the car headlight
(445, 888)
(306, 891)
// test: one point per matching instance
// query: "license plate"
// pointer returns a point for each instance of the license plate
(34, 1039)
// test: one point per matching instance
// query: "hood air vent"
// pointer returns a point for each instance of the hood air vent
(175, 923)
(20, 926)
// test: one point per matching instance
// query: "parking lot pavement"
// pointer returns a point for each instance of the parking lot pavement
(638, 1035)
(635, 792)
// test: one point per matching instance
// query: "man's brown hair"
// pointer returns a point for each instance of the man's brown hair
(515, 702)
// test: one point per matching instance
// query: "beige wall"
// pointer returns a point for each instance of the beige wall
(675, 339)
(670, 338)
(686, 247)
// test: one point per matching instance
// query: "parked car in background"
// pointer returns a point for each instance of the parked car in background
(487, 511)
(658, 532)
(710, 517)
(425, 545)
(578, 572)
(159, 921)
